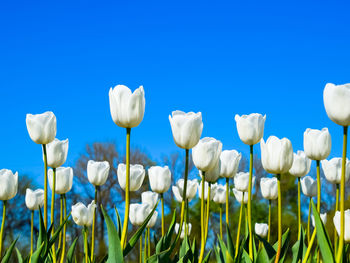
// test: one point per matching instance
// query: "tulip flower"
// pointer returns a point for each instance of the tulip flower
(241, 181)
(153, 220)
(269, 191)
(206, 188)
(160, 181)
(242, 198)
(137, 175)
(332, 170)
(149, 198)
(220, 198)
(309, 188)
(192, 186)
(138, 213)
(323, 219)
(261, 229)
(317, 144)
(57, 153)
(151, 223)
(336, 221)
(212, 175)
(182, 235)
(206, 153)
(64, 179)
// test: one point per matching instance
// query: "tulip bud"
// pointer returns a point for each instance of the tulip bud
(206, 188)
(206, 153)
(332, 170)
(138, 213)
(177, 226)
(97, 172)
(186, 127)
(159, 179)
(83, 215)
(153, 220)
(41, 127)
(336, 221)
(64, 180)
(149, 198)
(57, 153)
(137, 175)
(8, 185)
(261, 229)
(191, 190)
(240, 196)
(250, 127)
(127, 108)
(268, 188)
(229, 162)
(323, 219)
(34, 199)
(336, 100)
(301, 164)
(317, 143)
(220, 194)
(276, 155)
(309, 186)
(241, 181)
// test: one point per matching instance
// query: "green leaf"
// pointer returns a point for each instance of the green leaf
(185, 246)
(229, 242)
(285, 244)
(322, 237)
(262, 256)
(70, 253)
(299, 247)
(119, 223)
(115, 253)
(57, 232)
(271, 252)
(36, 258)
(8, 253)
(19, 256)
(42, 238)
(225, 252)
(207, 257)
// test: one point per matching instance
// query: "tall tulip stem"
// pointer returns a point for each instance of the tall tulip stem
(336, 209)
(53, 212)
(149, 241)
(184, 193)
(145, 247)
(86, 244)
(250, 203)
(278, 254)
(140, 250)
(202, 208)
(318, 172)
(308, 222)
(269, 220)
(97, 189)
(64, 228)
(163, 223)
(239, 228)
(220, 221)
(31, 232)
(299, 209)
(342, 197)
(2, 225)
(61, 220)
(127, 189)
(227, 200)
(206, 223)
(45, 185)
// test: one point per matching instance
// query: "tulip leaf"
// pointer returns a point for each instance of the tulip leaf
(299, 248)
(194, 251)
(70, 253)
(322, 237)
(262, 256)
(42, 238)
(229, 242)
(115, 253)
(8, 253)
(285, 244)
(185, 251)
(227, 256)
(218, 255)
(133, 240)
(119, 223)
(36, 258)
(19, 256)
(57, 232)
(207, 257)
(271, 252)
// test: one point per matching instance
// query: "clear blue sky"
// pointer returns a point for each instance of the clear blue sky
(222, 58)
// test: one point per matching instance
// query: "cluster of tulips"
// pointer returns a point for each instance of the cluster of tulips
(127, 111)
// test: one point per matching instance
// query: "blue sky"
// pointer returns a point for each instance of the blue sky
(220, 58)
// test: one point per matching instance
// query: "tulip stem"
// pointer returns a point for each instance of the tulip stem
(2, 225)
(53, 213)
(278, 254)
(187, 214)
(145, 247)
(141, 247)
(31, 233)
(227, 200)
(45, 185)
(299, 209)
(250, 204)
(86, 244)
(268, 231)
(336, 209)
(318, 186)
(220, 221)
(163, 223)
(309, 246)
(308, 222)
(239, 228)
(127, 188)
(184, 194)
(64, 228)
(61, 220)
(202, 208)
(342, 197)
(206, 223)
(97, 189)
(149, 241)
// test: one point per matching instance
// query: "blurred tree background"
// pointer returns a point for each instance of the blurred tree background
(111, 195)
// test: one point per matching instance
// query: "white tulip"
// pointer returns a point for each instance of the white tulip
(206, 153)
(206, 188)
(212, 175)
(332, 170)
(186, 127)
(137, 175)
(138, 213)
(336, 100)
(317, 143)
(301, 164)
(276, 155)
(220, 194)
(323, 219)
(127, 108)
(57, 153)
(229, 162)
(34, 199)
(8, 185)
(261, 229)
(41, 127)
(149, 198)
(182, 235)
(250, 127)
(241, 181)
(64, 180)
(268, 188)
(309, 186)
(97, 172)
(153, 220)
(336, 221)
(240, 196)
(159, 179)
(191, 190)
(83, 215)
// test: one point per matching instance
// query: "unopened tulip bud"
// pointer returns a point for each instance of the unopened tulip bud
(206, 153)
(159, 179)
(261, 229)
(41, 127)
(250, 127)
(301, 164)
(317, 143)
(309, 186)
(64, 180)
(137, 175)
(97, 172)
(34, 199)
(8, 184)
(229, 162)
(268, 188)
(57, 153)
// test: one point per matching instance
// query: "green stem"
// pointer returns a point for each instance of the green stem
(163, 223)
(227, 200)
(31, 233)
(2, 225)
(268, 231)
(64, 228)
(336, 209)
(45, 186)
(97, 188)
(206, 224)
(239, 229)
(299, 209)
(220, 221)
(184, 194)
(308, 222)
(140, 255)
(127, 188)
(342, 197)
(86, 244)
(149, 242)
(202, 208)
(145, 248)
(53, 212)
(278, 254)
(309, 246)
(250, 204)
(61, 220)
(187, 218)
(318, 186)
